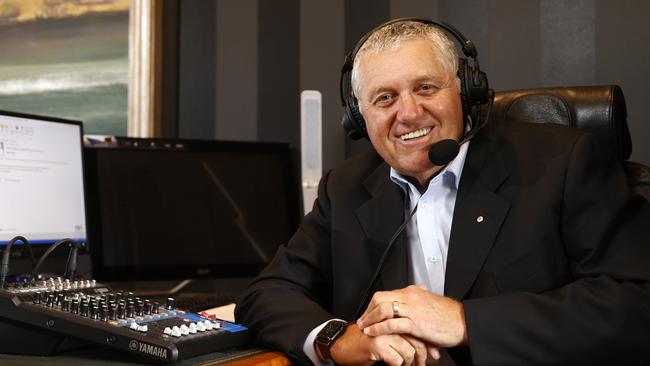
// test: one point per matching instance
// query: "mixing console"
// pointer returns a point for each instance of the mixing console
(46, 316)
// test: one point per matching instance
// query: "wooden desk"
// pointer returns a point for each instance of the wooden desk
(102, 356)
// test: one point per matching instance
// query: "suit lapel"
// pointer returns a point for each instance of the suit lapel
(380, 217)
(478, 215)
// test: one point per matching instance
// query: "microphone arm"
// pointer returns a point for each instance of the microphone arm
(481, 124)
(382, 260)
(444, 151)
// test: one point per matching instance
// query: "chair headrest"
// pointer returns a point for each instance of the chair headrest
(597, 109)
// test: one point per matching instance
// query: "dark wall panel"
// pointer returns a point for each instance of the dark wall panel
(513, 58)
(360, 17)
(278, 71)
(623, 58)
(196, 69)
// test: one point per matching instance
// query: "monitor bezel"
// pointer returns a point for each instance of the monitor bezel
(105, 272)
(18, 250)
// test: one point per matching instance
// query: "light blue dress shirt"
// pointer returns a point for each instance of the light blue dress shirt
(429, 229)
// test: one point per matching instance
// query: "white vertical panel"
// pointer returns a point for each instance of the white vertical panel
(311, 138)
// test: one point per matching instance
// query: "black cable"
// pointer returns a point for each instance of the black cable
(4, 267)
(382, 260)
(47, 253)
(71, 264)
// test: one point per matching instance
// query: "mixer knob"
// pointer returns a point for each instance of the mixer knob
(94, 312)
(170, 303)
(60, 298)
(147, 307)
(65, 305)
(103, 313)
(130, 311)
(50, 300)
(139, 307)
(112, 313)
(84, 308)
(156, 307)
(74, 307)
(37, 297)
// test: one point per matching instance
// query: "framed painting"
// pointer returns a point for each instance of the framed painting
(67, 58)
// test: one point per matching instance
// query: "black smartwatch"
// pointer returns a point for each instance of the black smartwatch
(326, 337)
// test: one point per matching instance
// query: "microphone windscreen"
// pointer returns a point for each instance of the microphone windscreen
(444, 151)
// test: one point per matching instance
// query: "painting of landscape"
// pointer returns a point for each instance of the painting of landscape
(66, 58)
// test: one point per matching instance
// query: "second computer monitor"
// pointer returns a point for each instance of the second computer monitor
(163, 209)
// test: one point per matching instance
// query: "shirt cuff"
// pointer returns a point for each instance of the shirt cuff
(308, 347)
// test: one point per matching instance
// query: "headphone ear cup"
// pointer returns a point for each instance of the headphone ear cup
(474, 89)
(478, 90)
(352, 121)
(464, 95)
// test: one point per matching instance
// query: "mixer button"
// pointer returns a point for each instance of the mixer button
(134, 326)
(208, 325)
(185, 330)
(167, 331)
(200, 327)
(143, 328)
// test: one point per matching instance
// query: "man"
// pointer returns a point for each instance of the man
(546, 260)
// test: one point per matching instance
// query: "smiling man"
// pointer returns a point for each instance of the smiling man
(526, 247)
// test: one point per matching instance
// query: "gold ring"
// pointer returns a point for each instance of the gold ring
(395, 309)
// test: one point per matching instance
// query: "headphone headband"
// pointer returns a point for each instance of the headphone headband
(474, 85)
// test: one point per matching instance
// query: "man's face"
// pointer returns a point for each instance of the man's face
(409, 102)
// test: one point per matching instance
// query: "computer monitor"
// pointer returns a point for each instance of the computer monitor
(41, 180)
(177, 209)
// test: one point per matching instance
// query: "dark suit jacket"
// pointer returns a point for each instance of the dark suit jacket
(558, 271)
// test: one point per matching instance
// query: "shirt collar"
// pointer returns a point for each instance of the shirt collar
(453, 168)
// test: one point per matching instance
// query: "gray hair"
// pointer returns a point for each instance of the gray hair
(393, 35)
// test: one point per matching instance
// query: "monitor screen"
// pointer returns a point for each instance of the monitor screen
(41, 179)
(163, 209)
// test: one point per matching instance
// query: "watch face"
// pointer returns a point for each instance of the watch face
(332, 329)
(330, 332)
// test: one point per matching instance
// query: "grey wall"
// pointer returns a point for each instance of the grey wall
(243, 63)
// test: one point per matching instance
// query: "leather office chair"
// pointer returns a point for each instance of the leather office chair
(597, 109)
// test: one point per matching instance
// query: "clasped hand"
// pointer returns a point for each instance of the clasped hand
(413, 317)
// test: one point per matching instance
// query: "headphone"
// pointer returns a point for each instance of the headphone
(474, 90)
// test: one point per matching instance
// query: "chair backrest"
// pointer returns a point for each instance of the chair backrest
(597, 109)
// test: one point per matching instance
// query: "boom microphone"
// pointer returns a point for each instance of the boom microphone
(444, 151)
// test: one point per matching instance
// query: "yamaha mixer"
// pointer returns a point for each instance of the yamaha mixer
(42, 317)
